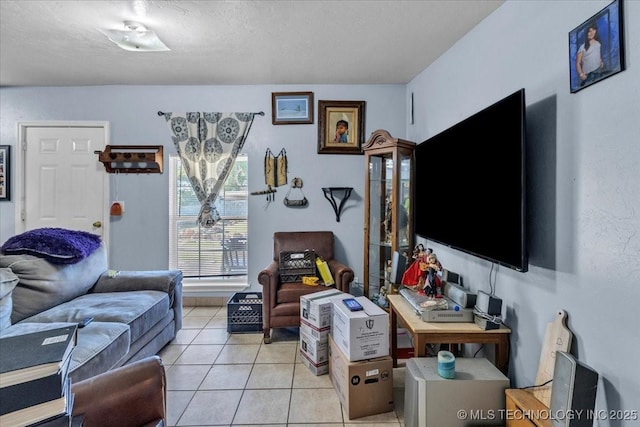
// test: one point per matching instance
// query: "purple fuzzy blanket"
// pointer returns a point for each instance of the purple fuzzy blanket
(56, 245)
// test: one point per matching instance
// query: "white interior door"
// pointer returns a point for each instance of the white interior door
(64, 184)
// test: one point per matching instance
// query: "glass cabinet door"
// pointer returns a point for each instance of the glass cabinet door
(388, 221)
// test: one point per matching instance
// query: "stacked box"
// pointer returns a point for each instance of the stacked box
(315, 325)
(361, 334)
(364, 387)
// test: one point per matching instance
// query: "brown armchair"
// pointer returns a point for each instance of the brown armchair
(133, 395)
(281, 301)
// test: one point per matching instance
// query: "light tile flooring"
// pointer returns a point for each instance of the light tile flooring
(216, 378)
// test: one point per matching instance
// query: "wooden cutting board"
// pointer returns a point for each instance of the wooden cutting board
(556, 338)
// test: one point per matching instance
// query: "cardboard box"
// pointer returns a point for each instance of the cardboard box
(364, 387)
(315, 308)
(319, 368)
(361, 334)
(317, 351)
(313, 332)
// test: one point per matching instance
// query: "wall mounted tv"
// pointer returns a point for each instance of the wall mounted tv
(470, 185)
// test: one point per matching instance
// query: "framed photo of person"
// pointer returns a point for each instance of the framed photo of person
(5, 176)
(596, 47)
(340, 127)
(291, 108)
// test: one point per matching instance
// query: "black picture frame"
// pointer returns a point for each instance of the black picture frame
(5, 173)
(330, 113)
(587, 65)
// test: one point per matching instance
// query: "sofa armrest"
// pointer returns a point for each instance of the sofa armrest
(169, 281)
(132, 395)
(125, 281)
(342, 274)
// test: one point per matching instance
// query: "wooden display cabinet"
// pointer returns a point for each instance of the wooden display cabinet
(388, 220)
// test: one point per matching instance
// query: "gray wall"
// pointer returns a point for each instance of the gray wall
(584, 151)
(584, 185)
(139, 239)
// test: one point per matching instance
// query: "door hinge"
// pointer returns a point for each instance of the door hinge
(23, 215)
(24, 145)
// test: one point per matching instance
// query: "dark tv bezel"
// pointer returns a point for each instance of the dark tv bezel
(523, 266)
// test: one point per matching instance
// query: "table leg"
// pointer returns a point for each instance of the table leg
(420, 345)
(502, 353)
(393, 333)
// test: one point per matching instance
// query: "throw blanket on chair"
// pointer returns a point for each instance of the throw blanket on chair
(56, 245)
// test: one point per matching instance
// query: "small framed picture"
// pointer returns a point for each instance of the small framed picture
(596, 47)
(292, 108)
(340, 127)
(5, 175)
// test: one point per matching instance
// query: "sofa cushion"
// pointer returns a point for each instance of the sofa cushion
(8, 282)
(44, 285)
(101, 345)
(140, 310)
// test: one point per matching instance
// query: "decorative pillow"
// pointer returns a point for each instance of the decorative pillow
(44, 285)
(8, 281)
(56, 245)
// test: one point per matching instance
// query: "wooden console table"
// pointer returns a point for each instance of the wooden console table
(444, 333)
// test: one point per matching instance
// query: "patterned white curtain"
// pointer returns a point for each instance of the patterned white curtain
(208, 144)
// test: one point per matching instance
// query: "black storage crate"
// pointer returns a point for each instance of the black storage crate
(244, 312)
(294, 265)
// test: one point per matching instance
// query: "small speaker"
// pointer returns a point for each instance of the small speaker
(488, 303)
(573, 391)
(398, 266)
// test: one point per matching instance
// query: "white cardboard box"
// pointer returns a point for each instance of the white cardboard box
(320, 368)
(313, 332)
(317, 351)
(361, 334)
(315, 308)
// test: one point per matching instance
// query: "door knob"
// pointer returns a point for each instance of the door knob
(97, 224)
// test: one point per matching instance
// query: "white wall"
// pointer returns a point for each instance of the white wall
(139, 239)
(584, 185)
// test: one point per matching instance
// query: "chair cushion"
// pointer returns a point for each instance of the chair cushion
(291, 292)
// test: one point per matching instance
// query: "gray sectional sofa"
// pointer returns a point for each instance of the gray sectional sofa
(135, 313)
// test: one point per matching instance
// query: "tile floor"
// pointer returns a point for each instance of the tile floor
(216, 378)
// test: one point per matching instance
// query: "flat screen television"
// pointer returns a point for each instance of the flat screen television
(470, 185)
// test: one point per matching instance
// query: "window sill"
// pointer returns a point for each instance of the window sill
(212, 287)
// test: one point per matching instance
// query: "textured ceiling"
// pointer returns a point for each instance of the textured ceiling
(56, 43)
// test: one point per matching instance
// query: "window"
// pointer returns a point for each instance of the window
(208, 252)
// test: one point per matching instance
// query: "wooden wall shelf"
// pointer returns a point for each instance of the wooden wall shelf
(132, 158)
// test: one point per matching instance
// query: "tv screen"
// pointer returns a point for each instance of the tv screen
(470, 185)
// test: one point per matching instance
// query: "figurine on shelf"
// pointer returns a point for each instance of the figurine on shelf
(422, 274)
(433, 285)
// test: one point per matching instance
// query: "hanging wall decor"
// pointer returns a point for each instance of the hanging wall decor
(5, 176)
(290, 200)
(340, 127)
(596, 47)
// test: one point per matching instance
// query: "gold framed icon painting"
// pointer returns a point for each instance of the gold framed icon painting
(340, 127)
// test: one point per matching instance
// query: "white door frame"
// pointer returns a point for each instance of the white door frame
(21, 169)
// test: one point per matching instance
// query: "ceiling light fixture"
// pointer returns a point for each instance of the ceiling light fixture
(135, 38)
